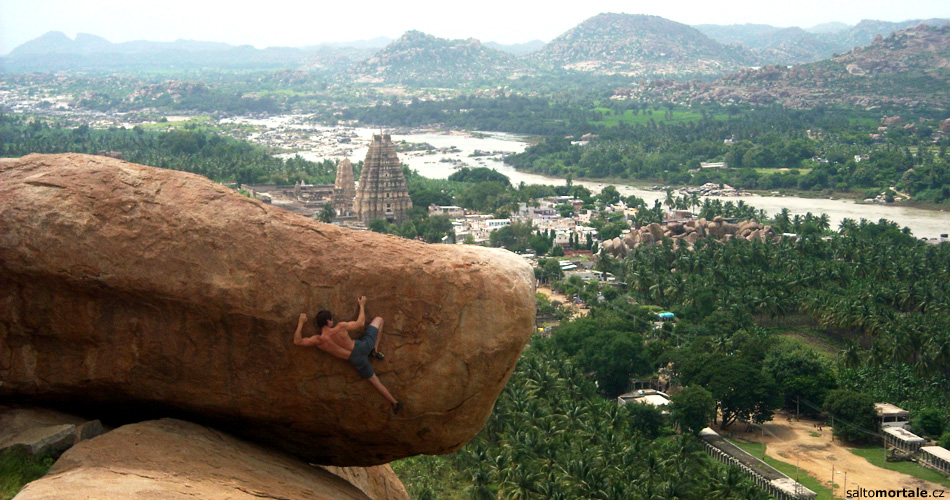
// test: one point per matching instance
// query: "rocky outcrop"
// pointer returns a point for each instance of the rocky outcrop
(688, 232)
(173, 459)
(41, 432)
(144, 292)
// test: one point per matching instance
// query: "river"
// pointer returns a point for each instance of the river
(323, 142)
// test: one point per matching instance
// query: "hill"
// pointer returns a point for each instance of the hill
(640, 45)
(908, 68)
(55, 51)
(774, 45)
(419, 58)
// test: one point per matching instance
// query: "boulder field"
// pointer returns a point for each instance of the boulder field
(688, 232)
(132, 292)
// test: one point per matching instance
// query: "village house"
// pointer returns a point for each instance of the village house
(450, 211)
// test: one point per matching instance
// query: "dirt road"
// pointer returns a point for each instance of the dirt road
(799, 441)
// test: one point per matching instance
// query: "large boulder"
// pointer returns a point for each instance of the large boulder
(40, 431)
(173, 459)
(140, 292)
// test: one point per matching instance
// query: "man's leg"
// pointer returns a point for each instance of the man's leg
(382, 389)
(378, 323)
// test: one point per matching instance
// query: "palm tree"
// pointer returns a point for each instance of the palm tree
(326, 213)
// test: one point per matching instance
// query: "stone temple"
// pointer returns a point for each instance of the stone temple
(344, 189)
(382, 192)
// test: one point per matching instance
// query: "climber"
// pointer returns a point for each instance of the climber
(334, 338)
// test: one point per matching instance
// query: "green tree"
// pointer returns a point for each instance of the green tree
(692, 409)
(437, 227)
(645, 420)
(799, 373)
(326, 213)
(854, 417)
(929, 422)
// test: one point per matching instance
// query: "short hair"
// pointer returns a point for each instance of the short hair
(323, 318)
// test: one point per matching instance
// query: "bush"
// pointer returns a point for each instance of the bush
(928, 422)
(944, 440)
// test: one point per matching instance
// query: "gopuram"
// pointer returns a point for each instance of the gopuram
(382, 192)
(344, 189)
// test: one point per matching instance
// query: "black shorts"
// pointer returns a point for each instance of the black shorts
(362, 346)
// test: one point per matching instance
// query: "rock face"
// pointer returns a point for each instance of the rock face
(173, 459)
(143, 292)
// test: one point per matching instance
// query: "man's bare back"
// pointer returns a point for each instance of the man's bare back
(335, 339)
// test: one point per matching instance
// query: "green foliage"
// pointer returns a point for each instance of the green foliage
(854, 417)
(550, 436)
(645, 420)
(479, 174)
(693, 408)
(799, 372)
(214, 156)
(929, 422)
(17, 469)
(944, 440)
(769, 148)
(515, 237)
(607, 345)
(862, 284)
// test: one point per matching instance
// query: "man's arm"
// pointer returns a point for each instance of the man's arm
(360, 323)
(298, 339)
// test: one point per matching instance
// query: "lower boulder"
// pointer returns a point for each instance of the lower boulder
(177, 460)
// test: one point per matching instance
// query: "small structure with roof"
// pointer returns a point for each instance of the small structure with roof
(645, 396)
(762, 474)
(902, 439)
(891, 416)
(936, 457)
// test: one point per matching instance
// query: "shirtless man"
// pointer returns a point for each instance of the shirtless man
(335, 339)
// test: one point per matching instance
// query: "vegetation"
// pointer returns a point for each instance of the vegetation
(193, 150)
(551, 436)
(17, 469)
(767, 149)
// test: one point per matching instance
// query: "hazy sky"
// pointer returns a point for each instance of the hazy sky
(297, 23)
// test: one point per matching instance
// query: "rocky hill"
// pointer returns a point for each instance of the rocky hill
(419, 58)
(774, 45)
(908, 68)
(640, 45)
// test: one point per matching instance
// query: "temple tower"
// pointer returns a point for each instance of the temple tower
(344, 189)
(382, 192)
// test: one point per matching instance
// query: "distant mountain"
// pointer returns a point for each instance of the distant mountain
(373, 43)
(518, 49)
(773, 45)
(750, 35)
(909, 68)
(55, 51)
(56, 42)
(826, 28)
(419, 58)
(640, 45)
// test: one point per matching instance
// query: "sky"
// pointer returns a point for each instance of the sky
(295, 23)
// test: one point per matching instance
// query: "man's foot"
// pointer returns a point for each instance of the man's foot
(397, 406)
(376, 354)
